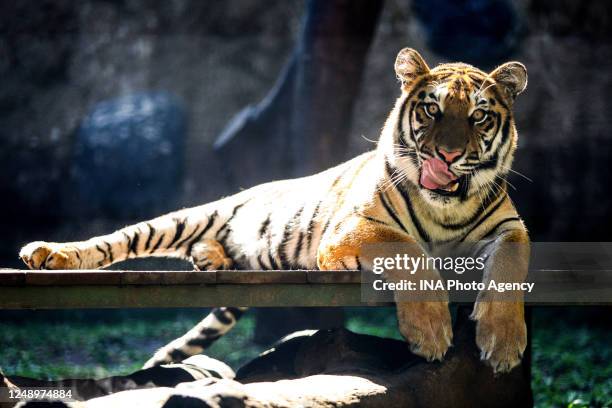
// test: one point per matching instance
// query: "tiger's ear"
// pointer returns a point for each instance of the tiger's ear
(512, 76)
(409, 65)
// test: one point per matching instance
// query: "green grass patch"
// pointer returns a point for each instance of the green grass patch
(572, 362)
(83, 346)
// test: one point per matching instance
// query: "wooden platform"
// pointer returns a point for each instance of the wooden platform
(86, 289)
(24, 289)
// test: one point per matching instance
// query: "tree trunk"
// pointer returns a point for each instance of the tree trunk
(302, 126)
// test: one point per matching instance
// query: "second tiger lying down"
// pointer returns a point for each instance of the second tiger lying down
(437, 175)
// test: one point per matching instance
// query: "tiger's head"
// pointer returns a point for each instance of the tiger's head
(454, 135)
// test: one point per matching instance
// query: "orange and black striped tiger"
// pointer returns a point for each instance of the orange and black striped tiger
(437, 175)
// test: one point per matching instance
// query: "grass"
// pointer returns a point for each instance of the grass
(572, 362)
(85, 345)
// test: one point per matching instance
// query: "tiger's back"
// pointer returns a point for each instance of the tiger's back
(279, 225)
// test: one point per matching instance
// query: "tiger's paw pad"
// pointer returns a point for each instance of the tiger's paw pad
(46, 255)
(427, 328)
(501, 336)
(209, 255)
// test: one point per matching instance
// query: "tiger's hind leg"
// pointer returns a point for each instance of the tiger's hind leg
(186, 234)
(203, 335)
(207, 254)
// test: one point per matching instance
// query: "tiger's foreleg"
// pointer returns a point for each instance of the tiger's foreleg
(186, 234)
(426, 325)
(501, 333)
(216, 324)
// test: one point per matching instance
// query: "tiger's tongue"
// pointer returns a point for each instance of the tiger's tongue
(435, 174)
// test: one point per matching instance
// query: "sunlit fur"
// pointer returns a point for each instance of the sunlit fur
(489, 145)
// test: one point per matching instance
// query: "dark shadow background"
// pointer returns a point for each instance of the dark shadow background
(109, 109)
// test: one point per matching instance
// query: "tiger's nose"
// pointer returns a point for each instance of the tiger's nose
(449, 156)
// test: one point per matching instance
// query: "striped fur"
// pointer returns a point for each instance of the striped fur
(322, 220)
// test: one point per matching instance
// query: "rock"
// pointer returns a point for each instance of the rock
(128, 157)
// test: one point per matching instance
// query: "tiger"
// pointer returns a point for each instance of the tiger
(438, 174)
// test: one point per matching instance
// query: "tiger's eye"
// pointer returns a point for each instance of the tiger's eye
(432, 109)
(478, 115)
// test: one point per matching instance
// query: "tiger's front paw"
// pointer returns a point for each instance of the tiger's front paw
(501, 334)
(427, 328)
(49, 255)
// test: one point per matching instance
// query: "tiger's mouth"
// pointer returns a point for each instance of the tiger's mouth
(453, 189)
(436, 177)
